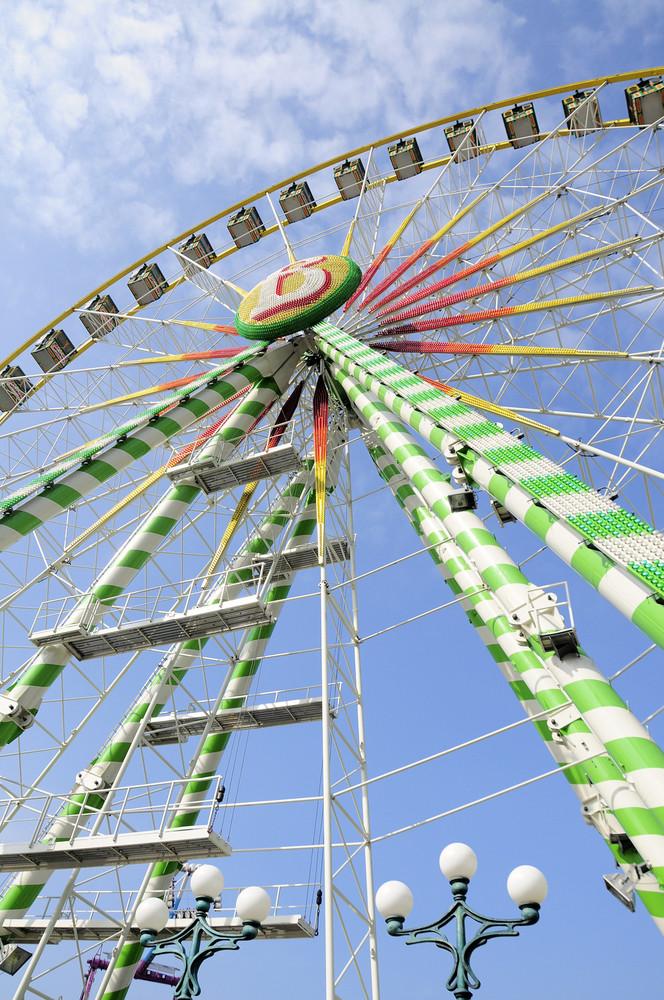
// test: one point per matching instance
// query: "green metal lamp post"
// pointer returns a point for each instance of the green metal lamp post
(253, 905)
(526, 886)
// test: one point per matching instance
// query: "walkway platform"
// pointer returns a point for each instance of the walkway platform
(212, 476)
(29, 930)
(197, 623)
(100, 850)
(290, 561)
(178, 727)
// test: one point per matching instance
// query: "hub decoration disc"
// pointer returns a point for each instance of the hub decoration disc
(297, 296)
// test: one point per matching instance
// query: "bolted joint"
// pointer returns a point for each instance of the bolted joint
(394, 924)
(459, 477)
(91, 780)
(12, 710)
(530, 913)
(250, 929)
(459, 887)
(450, 445)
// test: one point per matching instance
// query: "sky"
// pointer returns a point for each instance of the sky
(124, 123)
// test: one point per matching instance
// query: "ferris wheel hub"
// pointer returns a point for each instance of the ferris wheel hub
(297, 296)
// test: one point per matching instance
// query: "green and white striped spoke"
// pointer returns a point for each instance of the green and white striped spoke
(612, 549)
(82, 456)
(625, 555)
(501, 637)
(252, 407)
(612, 764)
(497, 570)
(209, 756)
(32, 686)
(24, 516)
(297, 503)
(29, 690)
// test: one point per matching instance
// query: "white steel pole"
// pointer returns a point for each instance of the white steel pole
(320, 451)
(37, 953)
(327, 789)
(362, 746)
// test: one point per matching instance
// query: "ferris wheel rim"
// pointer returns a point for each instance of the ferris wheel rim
(302, 174)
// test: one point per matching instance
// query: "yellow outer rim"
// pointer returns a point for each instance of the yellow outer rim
(302, 174)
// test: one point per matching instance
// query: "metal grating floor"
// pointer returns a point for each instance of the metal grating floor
(213, 476)
(337, 550)
(30, 929)
(100, 850)
(177, 728)
(199, 623)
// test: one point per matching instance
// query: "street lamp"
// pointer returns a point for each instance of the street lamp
(252, 907)
(526, 886)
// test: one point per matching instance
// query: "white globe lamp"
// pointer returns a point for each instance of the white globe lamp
(152, 914)
(253, 905)
(527, 886)
(458, 861)
(207, 882)
(394, 901)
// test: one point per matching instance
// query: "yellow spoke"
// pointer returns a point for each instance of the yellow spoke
(247, 494)
(145, 485)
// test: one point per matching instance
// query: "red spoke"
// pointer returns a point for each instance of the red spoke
(431, 347)
(320, 455)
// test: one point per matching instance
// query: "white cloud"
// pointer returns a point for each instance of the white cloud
(104, 107)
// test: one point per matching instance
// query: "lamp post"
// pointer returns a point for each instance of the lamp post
(253, 905)
(526, 886)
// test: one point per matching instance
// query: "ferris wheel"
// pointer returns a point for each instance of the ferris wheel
(205, 459)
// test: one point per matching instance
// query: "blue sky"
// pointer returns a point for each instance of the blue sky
(124, 123)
